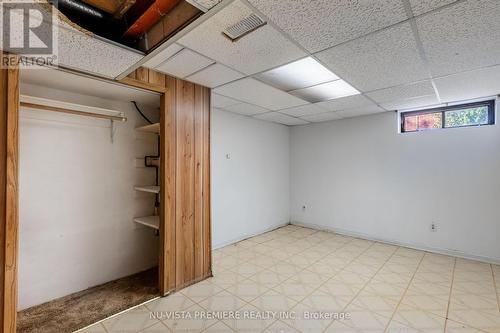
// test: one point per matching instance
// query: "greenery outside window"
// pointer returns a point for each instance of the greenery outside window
(464, 115)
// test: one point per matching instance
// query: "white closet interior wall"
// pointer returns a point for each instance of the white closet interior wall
(77, 198)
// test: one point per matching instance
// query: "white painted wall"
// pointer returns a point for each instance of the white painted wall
(359, 176)
(250, 191)
(77, 201)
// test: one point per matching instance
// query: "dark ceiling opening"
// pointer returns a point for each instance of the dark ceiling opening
(139, 24)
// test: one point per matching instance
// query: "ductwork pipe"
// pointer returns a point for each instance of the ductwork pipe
(152, 15)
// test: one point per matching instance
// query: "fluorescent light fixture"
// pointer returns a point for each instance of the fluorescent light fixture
(296, 75)
(326, 91)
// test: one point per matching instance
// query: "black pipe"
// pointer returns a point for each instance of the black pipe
(91, 18)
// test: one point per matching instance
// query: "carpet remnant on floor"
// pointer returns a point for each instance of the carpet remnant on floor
(75, 311)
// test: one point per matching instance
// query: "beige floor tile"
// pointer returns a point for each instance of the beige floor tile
(308, 277)
(280, 327)
(286, 269)
(487, 320)
(426, 288)
(157, 328)
(250, 319)
(292, 269)
(365, 320)
(300, 261)
(97, 328)
(273, 301)
(437, 304)
(455, 327)
(382, 305)
(131, 321)
(219, 327)
(339, 289)
(322, 301)
(350, 278)
(397, 327)
(200, 291)
(295, 290)
(362, 269)
(223, 301)
(326, 271)
(472, 276)
(308, 319)
(248, 290)
(392, 290)
(420, 320)
(194, 319)
(473, 301)
(341, 327)
(268, 278)
(226, 279)
(474, 287)
(230, 261)
(264, 261)
(246, 269)
(174, 302)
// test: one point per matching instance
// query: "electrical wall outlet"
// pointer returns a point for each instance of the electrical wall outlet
(433, 227)
(304, 208)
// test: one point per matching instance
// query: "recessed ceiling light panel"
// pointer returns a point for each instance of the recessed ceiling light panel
(326, 91)
(298, 74)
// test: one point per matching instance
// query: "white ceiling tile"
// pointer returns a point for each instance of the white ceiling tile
(423, 88)
(474, 84)
(214, 75)
(327, 116)
(320, 24)
(411, 103)
(384, 59)
(219, 101)
(362, 111)
(255, 92)
(326, 91)
(299, 74)
(204, 5)
(162, 56)
(184, 63)
(304, 110)
(246, 109)
(345, 103)
(281, 118)
(462, 37)
(262, 49)
(423, 6)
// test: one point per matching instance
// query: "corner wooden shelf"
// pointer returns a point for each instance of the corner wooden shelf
(149, 221)
(152, 128)
(148, 188)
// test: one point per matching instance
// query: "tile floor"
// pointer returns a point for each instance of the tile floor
(295, 271)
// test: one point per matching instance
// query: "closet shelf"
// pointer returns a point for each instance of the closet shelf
(148, 188)
(153, 128)
(149, 221)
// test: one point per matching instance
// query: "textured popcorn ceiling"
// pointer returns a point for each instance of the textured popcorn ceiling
(264, 48)
(398, 53)
(83, 52)
(321, 24)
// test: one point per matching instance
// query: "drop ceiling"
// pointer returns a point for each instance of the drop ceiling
(397, 54)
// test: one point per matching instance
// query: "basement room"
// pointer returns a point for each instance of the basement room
(249, 166)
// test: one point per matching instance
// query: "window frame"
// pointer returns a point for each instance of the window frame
(490, 103)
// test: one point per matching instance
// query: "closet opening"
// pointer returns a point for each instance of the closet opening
(89, 196)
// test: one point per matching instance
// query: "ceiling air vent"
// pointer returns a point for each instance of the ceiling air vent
(243, 27)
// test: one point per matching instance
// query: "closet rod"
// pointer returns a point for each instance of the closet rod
(75, 112)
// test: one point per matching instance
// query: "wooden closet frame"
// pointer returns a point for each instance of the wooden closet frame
(185, 230)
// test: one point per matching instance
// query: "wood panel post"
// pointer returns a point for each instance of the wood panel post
(9, 211)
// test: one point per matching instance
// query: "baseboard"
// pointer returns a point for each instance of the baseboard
(489, 260)
(239, 239)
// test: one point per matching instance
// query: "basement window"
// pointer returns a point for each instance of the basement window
(463, 115)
